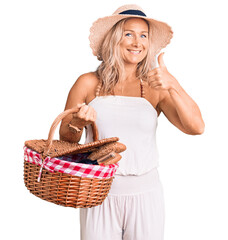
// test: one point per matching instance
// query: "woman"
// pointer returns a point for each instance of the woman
(125, 96)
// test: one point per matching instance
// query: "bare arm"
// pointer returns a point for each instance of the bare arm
(85, 116)
(181, 110)
(175, 103)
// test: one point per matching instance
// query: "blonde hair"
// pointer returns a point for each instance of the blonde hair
(112, 67)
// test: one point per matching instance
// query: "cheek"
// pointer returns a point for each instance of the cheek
(146, 48)
(124, 42)
(146, 44)
(121, 46)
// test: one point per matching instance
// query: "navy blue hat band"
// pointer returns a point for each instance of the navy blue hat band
(134, 12)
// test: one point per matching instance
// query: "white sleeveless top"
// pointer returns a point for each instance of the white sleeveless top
(134, 121)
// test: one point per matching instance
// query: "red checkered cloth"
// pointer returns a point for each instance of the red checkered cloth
(75, 169)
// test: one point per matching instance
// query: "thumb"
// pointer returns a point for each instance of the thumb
(160, 60)
(79, 105)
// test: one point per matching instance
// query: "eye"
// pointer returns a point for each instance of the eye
(128, 34)
(143, 36)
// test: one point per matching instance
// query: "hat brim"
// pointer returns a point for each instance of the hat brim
(161, 32)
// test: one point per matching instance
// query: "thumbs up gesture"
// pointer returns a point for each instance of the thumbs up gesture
(160, 78)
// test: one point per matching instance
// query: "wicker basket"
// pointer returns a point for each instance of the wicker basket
(64, 188)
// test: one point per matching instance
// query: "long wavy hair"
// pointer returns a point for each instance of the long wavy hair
(111, 68)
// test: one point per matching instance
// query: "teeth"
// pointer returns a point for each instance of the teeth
(134, 52)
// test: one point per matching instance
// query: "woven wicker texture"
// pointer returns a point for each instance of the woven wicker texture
(107, 148)
(60, 148)
(62, 188)
(55, 148)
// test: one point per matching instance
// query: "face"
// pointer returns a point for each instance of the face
(134, 44)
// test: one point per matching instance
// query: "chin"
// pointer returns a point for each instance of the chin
(133, 62)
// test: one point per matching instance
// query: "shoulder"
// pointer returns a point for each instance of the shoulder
(86, 86)
(82, 87)
(87, 79)
(85, 83)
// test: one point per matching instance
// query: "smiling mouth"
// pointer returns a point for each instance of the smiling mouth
(135, 52)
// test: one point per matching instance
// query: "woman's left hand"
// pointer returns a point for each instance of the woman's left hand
(160, 78)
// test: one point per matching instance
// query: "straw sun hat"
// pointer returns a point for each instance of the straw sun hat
(161, 32)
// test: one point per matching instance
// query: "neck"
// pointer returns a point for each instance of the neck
(130, 73)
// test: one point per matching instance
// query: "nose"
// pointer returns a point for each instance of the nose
(136, 42)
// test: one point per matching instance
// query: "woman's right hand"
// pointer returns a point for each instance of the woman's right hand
(85, 116)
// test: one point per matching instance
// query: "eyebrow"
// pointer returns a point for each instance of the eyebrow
(133, 31)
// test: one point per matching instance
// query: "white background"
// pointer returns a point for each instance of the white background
(45, 48)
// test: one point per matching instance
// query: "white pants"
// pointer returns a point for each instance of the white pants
(133, 210)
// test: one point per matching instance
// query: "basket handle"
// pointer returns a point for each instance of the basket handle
(57, 121)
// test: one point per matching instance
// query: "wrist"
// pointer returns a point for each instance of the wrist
(175, 87)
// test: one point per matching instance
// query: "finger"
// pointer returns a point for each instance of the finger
(94, 116)
(152, 79)
(89, 114)
(83, 111)
(160, 60)
(157, 76)
(81, 104)
(153, 72)
(156, 85)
